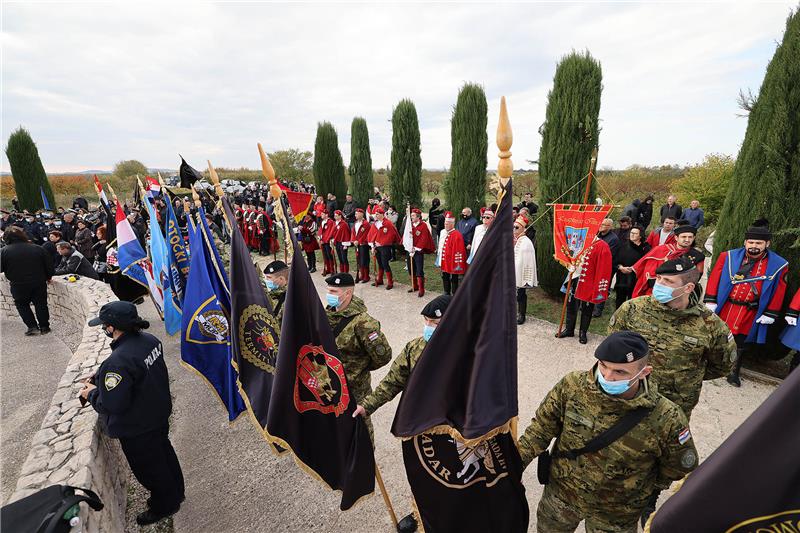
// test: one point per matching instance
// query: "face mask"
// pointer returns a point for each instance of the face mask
(57, 224)
(107, 334)
(427, 332)
(664, 294)
(614, 388)
(271, 285)
(333, 301)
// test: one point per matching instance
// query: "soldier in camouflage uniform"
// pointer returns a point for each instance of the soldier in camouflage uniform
(276, 277)
(361, 343)
(612, 487)
(689, 343)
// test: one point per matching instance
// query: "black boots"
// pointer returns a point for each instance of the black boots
(733, 378)
(407, 525)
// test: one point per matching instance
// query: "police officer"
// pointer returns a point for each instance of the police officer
(361, 342)
(131, 393)
(689, 342)
(276, 277)
(614, 486)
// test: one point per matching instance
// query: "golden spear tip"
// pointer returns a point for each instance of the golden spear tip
(269, 173)
(504, 140)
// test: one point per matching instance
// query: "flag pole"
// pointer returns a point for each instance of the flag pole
(385, 494)
(410, 256)
(275, 191)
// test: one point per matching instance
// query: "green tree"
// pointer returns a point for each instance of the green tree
(465, 185)
(328, 165)
(131, 167)
(28, 172)
(569, 135)
(405, 176)
(362, 182)
(766, 177)
(292, 164)
(707, 183)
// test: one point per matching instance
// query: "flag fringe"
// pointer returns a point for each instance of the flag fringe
(444, 429)
(678, 485)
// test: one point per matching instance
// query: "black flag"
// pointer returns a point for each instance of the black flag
(311, 406)
(455, 413)
(188, 174)
(751, 482)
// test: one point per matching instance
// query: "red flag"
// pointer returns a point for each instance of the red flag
(574, 228)
(298, 201)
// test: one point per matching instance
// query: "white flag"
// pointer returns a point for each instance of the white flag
(408, 239)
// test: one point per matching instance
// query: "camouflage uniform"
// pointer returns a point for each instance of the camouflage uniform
(608, 488)
(277, 296)
(687, 345)
(224, 254)
(395, 381)
(363, 348)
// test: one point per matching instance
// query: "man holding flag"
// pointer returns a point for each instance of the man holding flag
(417, 241)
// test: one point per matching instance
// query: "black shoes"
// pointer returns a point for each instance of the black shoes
(44, 331)
(734, 380)
(151, 517)
(139, 300)
(520, 319)
(582, 337)
(31, 332)
(564, 334)
(407, 525)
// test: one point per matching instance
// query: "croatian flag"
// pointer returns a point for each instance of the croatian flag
(133, 261)
(152, 186)
(100, 192)
(161, 273)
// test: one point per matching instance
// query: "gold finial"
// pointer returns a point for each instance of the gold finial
(113, 194)
(161, 180)
(215, 180)
(504, 140)
(141, 187)
(195, 197)
(269, 173)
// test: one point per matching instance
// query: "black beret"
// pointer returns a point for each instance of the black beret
(275, 266)
(436, 307)
(622, 347)
(680, 265)
(343, 279)
(685, 228)
(759, 231)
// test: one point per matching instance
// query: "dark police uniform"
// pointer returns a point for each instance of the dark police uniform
(133, 399)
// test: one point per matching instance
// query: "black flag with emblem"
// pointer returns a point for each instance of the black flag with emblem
(188, 174)
(311, 406)
(254, 329)
(751, 483)
(456, 411)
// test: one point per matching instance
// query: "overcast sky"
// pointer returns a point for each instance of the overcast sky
(96, 83)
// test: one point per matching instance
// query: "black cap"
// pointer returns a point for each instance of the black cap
(436, 307)
(343, 279)
(680, 265)
(119, 314)
(684, 227)
(275, 267)
(622, 347)
(759, 231)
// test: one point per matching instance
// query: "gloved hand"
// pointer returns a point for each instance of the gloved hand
(791, 320)
(711, 307)
(765, 320)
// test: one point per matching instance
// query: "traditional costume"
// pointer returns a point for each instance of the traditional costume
(590, 283)
(423, 244)
(524, 266)
(451, 256)
(358, 238)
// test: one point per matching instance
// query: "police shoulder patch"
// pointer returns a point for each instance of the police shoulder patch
(111, 380)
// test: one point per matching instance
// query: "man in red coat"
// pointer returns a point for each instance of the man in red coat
(663, 234)
(358, 238)
(308, 238)
(341, 240)
(326, 227)
(452, 254)
(590, 283)
(423, 244)
(645, 268)
(382, 238)
(253, 240)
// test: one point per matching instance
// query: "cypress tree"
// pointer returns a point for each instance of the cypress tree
(465, 185)
(28, 171)
(766, 176)
(328, 164)
(569, 135)
(361, 184)
(405, 176)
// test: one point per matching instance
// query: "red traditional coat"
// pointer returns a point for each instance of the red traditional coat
(423, 242)
(319, 207)
(359, 236)
(595, 274)
(252, 237)
(308, 234)
(385, 235)
(794, 307)
(341, 232)
(652, 239)
(645, 268)
(735, 312)
(326, 228)
(266, 225)
(452, 254)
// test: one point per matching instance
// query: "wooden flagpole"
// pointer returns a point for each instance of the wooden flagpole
(385, 494)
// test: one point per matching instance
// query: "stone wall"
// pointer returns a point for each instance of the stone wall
(70, 448)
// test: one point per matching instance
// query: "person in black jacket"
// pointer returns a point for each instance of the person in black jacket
(130, 392)
(629, 253)
(28, 268)
(645, 213)
(53, 238)
(73, 262)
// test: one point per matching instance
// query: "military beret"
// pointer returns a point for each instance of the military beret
(622, 347)
(275, 266)
(343, 279)
(759, 231)
(680, 265)
(436, 307)
(685, 228)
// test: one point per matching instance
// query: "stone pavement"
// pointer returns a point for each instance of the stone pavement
(234, 483)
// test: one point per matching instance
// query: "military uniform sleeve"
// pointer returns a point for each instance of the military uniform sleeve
(619, 320)
(679, 455)
(545, 425)
(114, 390)
(374, 342)
(392, 384)
(721, 353)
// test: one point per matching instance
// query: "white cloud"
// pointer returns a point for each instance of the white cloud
(100, 82)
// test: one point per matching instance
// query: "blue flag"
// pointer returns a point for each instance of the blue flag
(44, 198)
(205, 325)
(161, 273)
(178, 255)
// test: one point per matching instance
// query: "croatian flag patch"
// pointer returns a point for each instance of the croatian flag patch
(684, 435)
(372, 336)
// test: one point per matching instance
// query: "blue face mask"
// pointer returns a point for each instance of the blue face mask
(664, 294)
(271, 285)
(427, 332)
(614, 388)
(333, 301)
